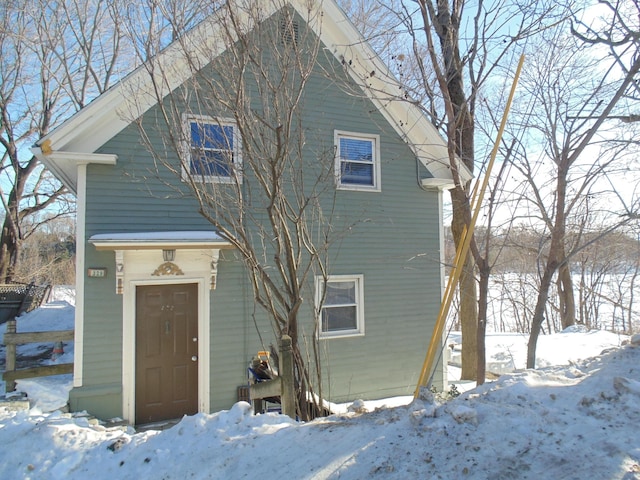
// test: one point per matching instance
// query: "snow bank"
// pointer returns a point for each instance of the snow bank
(576, 421)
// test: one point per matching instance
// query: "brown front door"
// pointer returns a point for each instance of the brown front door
(166, 352)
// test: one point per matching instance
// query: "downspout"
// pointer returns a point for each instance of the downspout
(436, 185)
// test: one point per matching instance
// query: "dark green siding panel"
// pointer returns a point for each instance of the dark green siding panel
(390, 237)
(231, 342)
(104, 402)
(134, 195)
(102, 363)
(394, 244)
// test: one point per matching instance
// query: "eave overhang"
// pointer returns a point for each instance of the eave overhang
(64, 165)
(177, 240)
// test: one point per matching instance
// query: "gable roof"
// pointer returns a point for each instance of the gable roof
(76, 140)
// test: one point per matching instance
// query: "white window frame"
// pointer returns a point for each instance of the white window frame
(237, 150)
(375, 149)
(358, 281)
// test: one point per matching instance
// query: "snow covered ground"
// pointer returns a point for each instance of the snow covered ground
(576, 418)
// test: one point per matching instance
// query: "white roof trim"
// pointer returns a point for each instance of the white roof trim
(115, 109)
(437, 183)
(159, 240)
(64, 165)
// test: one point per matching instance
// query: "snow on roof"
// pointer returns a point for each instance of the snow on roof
(158, 239)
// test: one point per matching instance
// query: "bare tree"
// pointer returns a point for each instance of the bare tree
(266, 191)
(573, 96)
(604, 266)
(48, 255)
(456, 47)
(56, 56)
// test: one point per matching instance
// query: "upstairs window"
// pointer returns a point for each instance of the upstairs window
(357, 161)
(342, 312)
(214, 154)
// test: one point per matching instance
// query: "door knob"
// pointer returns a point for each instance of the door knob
(194, 359)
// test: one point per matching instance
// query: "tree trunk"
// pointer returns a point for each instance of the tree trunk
(8, 251)
(468, 313)
(538, 314)
(460, 139)
(566, 296)
(308, 399)
(555, 258)
(485, 271)
(469, 321)
(11, 236)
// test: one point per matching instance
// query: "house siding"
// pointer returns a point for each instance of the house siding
(394, 244)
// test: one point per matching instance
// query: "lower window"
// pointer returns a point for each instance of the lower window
(342, 311)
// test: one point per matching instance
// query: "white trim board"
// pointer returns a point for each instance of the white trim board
(115, 109)
(138, 268)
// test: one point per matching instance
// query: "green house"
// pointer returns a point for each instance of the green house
(153, 274)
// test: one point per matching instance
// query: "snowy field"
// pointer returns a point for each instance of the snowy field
(575, 418)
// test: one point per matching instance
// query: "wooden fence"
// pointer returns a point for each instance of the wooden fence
(12, 339)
